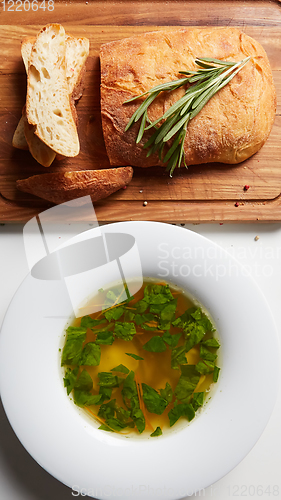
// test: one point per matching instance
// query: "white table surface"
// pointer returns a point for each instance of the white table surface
(259, 474)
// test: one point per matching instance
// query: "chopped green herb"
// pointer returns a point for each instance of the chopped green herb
(82, 387)
(105, 338)
(155, 344)
(70, 379)
(152, 400)
(187, 383)
(107, 379)
(84, 381)
(141, 306)
(131, 400)
(168, 312)
(129, 392)
(114, 313)
(138, 418)
(73, 346)
(181, 410)
(144, 318)
(197, 400)
(88, 322)
(121, 369)
(128, 316)
(104, 427)
(90, 355)
(171, 340)
(206, 354)
(135, 356)
(85, 398)
(167, 393)
(115, 424)
(178, 357)
(125, 331)
(107, 410)
(216, 373)
(116, 418)
(211, 343)
(105, 393)
(157, 294)
(157, 432)
(193, 333)
(205, 367)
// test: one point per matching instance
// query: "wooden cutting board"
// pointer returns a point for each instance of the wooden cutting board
(204, 193)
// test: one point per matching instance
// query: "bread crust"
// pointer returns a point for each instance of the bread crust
(60, 187)
(231, 127)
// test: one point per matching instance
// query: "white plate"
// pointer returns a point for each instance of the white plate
(173, 466)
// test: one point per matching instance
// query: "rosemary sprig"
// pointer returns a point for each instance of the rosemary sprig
(211, 76)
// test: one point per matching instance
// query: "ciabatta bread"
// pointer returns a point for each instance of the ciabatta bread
(232, 126)
(48, 105)
(65, 186)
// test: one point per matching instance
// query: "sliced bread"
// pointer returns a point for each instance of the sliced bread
(60, 187)
(19, 140)
(48, 105)
(77, 51)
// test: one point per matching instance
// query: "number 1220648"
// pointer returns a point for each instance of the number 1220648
(27, 5)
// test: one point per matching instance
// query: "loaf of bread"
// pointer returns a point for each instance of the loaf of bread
(48, 106)
(60, 187)
(231, 127)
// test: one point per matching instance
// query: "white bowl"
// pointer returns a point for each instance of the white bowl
(104, 465)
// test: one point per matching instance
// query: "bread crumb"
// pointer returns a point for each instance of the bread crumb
(257, 238)
(144, 203)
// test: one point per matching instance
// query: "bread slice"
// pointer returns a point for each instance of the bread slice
(60, 187)
(48, 105)
(39, 150)
(77, 51)
(26, 49)
(19, 140)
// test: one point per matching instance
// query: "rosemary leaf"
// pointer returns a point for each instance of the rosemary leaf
(160, 88)
(174, 146)
(151, 139)
(176, 127)
(203, 98)
(143, 107)
(187, 106)
(142, 127)
(178, 104)
(214, 61)
(165, 127)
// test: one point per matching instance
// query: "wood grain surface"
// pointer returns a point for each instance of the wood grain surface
(204, 193)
